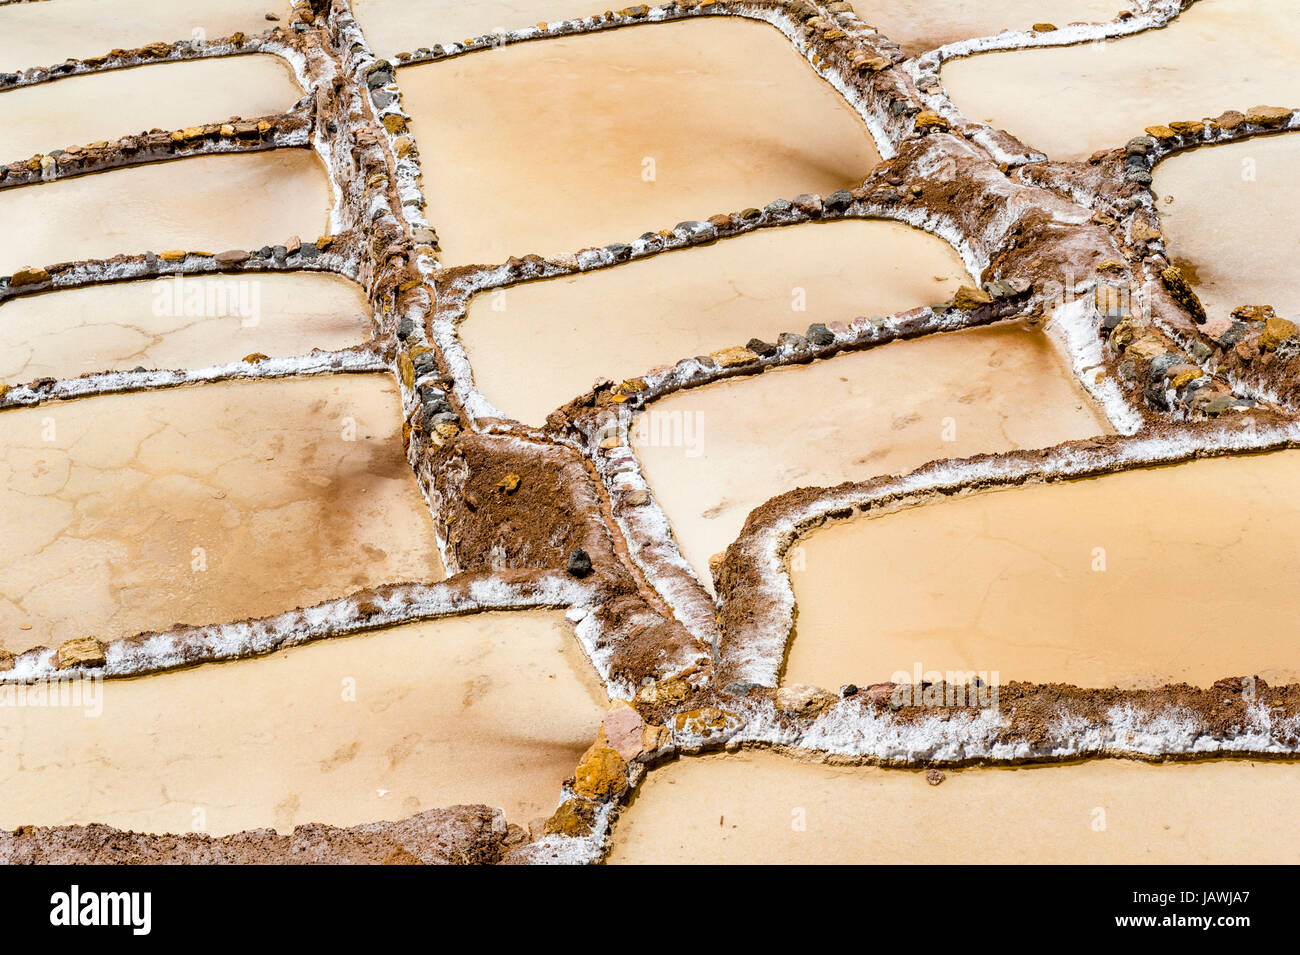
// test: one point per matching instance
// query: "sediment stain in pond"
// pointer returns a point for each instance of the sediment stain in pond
(491, 708)
(537, 345)
(206, 504)
(80, 110)
(204, 203)
(42, 34)
(396, 26)
(187, 321)
(763, 808)
(1219, 209)
(1072, 101)
(662, 123)
(918, 27)
(881, 411)
(1135, 579)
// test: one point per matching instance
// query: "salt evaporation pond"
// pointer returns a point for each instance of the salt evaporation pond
(80, 110)
(882, 411)
(205, 504)
(1136, 579)
(1071, 101)
(690, 119)
(535, 346)
(185, 321)
(758, 807)
(492, 708)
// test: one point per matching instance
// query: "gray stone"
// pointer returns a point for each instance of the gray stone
(1161, 364)
(741, 688)
(819, 334)
(778, 206)
(761, 348)
(579, 563)
(620, 251)
(839, 200)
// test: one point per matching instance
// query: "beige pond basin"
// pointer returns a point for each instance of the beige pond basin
(396, 26)
(42, 34)
(1070, 102)
(537, 345)
(206, 504)
(1219, 209)
(713, 454)
(493, 708)
(1168, 575)
(662, 122)
(80, 110)
(918, 27)
(177, 322)
(762, 808)
(204, 203)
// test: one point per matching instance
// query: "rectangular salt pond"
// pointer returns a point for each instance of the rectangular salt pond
(537, 345)
(760, 808)
(1071, 101)
(662, 122)
(1165, 575)
(206, 504)
(42, 34)
(204, 203)
(80, 110)
(183, 321)
(491, 708)
(886, 410)
(1219, 212)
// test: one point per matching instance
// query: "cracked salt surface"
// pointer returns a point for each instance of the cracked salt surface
(189, 321)
(201, 505)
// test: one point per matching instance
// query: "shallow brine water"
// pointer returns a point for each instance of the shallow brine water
(1072, 101)
(204, 203)
(177, 322)
(1134, 580)
(492, 708)
(537, 345)
(80, 110)
(764, 808)
(881, 411)
(42, 34)
(206, 504)
(925, 25)
(662, 123)
(1219, 209)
